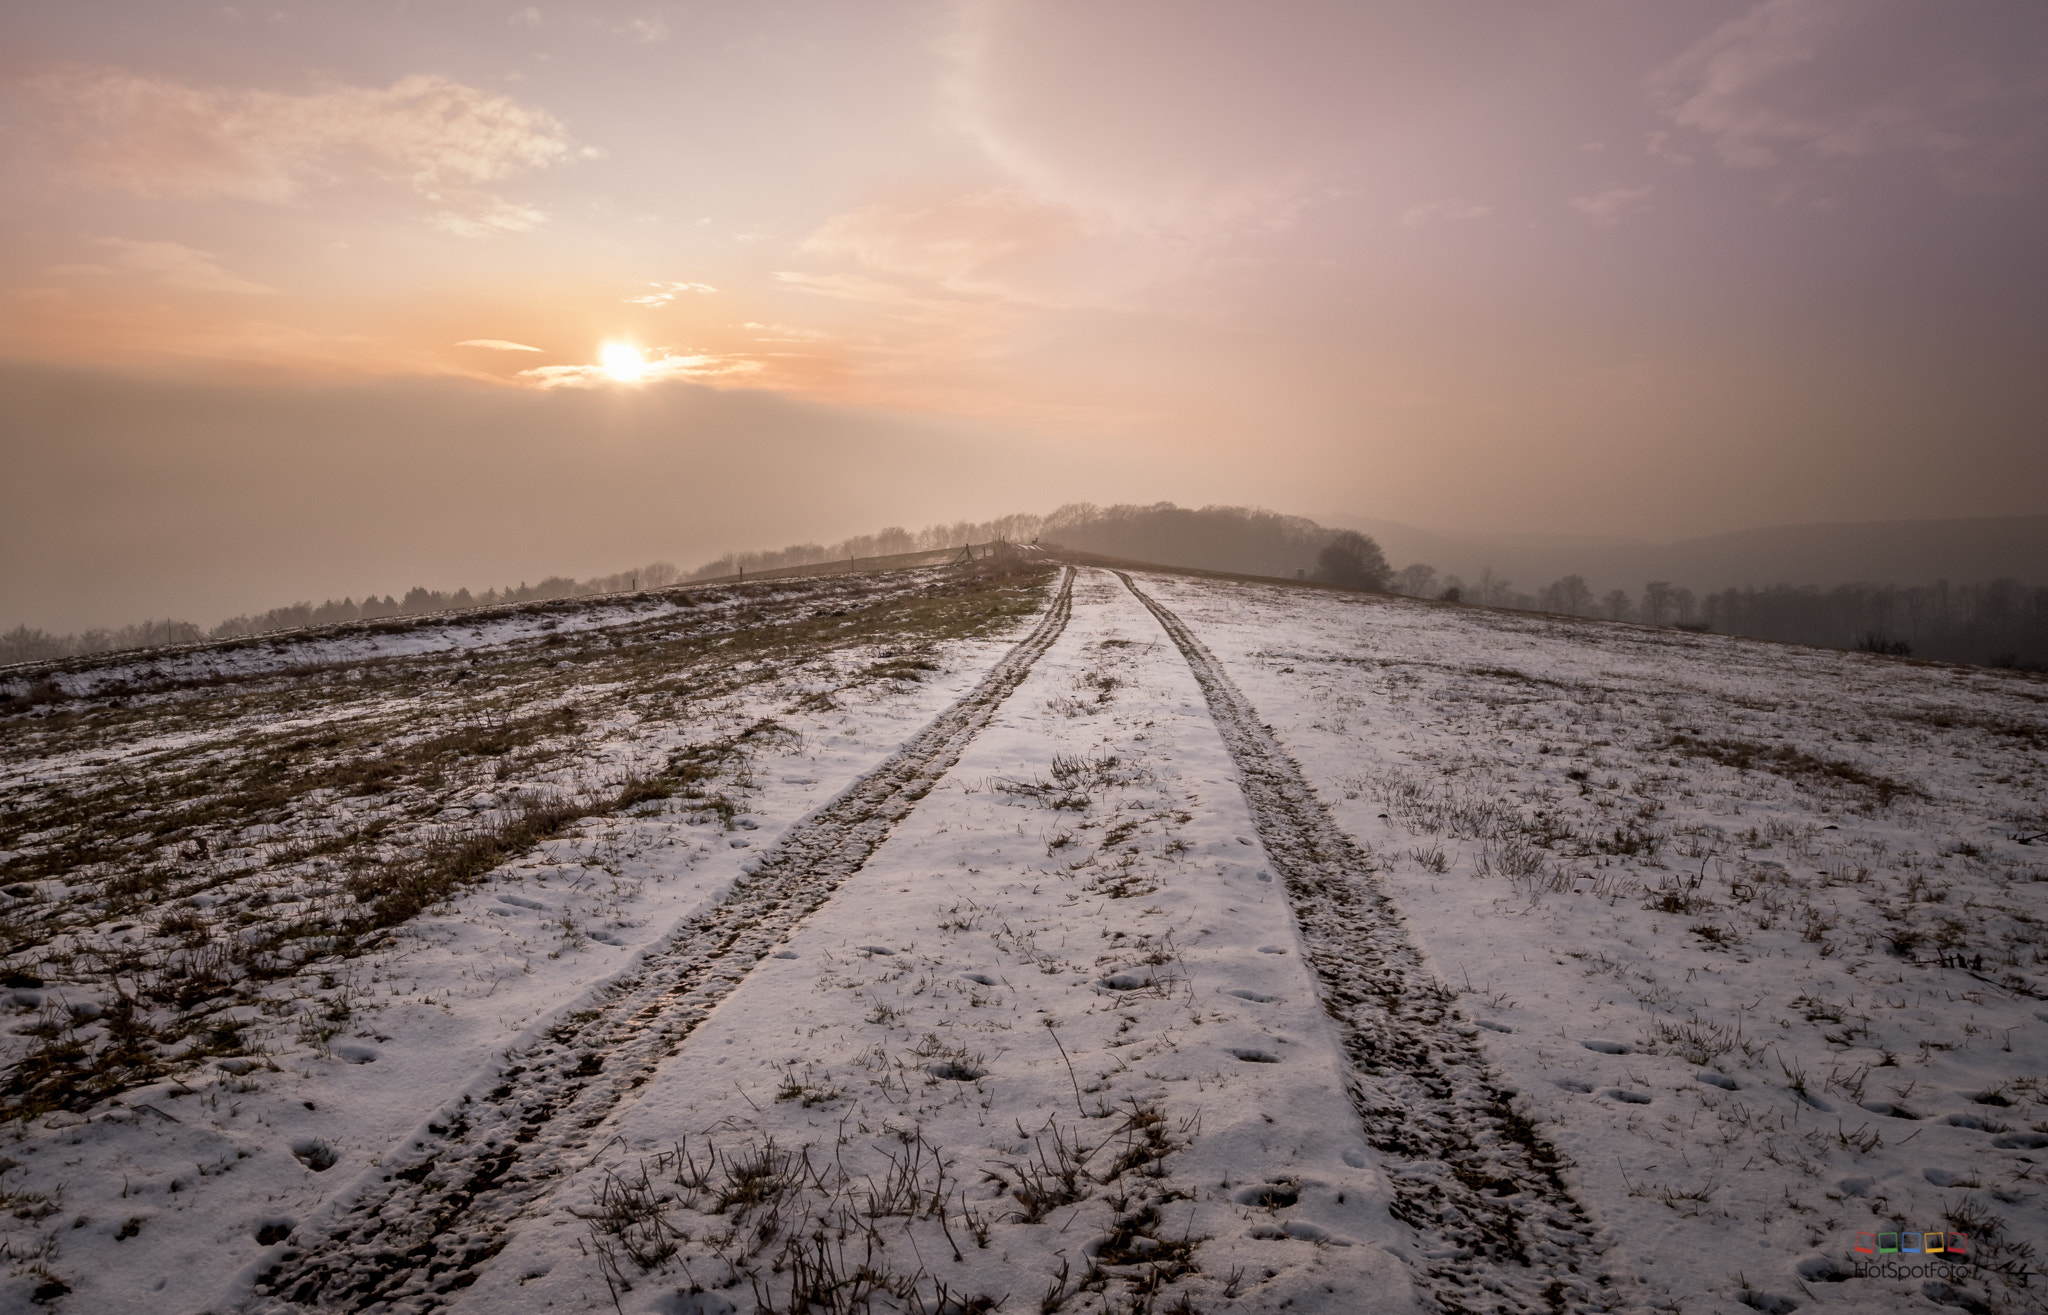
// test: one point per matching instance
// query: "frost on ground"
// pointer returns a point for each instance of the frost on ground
(1756, 930)
(267, 906)
(1055, 1045)
(920, 943)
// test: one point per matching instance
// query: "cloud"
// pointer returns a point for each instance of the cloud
(527, 17)
(947, 239)
(1846, 79)
(1606, 208)
(648, 30)
(785, 333)
(490, 219)
(158, 138)
(171, 264)
(497, 345)
(844, 287)
(664, 293)
(1432, 211)
(656, 369)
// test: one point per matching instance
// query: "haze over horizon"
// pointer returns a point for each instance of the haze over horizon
(305, 300)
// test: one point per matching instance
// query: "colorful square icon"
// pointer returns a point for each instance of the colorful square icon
(1909, 1243)
(1958, 1245)
(1887, 1242)
(1934, 1243)
(1866, 1243)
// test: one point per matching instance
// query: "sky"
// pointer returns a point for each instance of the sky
(309, 299)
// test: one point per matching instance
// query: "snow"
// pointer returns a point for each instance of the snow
(950, 985)
(1666, 1063)
(1750, 933)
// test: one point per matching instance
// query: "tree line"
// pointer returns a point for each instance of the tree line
(1998, 622)
(2001, 623)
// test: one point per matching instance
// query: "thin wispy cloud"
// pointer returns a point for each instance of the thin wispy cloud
(647, 30)
(947, 239)
(489, 220)
(644, 370)
(497, 345)
(156, 137)
(664, 293)
(1846, 79)
(169, 264)
(1610, 206)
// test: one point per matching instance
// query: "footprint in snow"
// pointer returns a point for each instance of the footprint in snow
(1492, 1026)
(1824, 1269)
(1256, 997)
(1272, 949)
(1973, 1121)
(272, 1229)
(1721, 1080)
(356, 1054)
(2020, 1141)
(1299, 1230)
(1889, 1109)
(979, 979)
(874, 949)
(1606, 1047)
(1627, 1097)
(783, 954)
(1573, 1084)
(1253, 1055)
(1950, 1178)
(1273, 1194)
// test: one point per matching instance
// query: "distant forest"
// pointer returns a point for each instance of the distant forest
(1993, 623)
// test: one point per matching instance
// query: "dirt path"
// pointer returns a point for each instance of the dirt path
(1501, 1230)
(414, 1232)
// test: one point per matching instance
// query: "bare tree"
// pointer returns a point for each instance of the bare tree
(1616, 606)
(1416, 581)
(1658, 602)
(1569, 595)
(1353, 561)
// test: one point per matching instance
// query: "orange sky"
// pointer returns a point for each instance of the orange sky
(1581, 264)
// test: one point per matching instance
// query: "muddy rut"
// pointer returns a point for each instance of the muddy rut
(1500, 1229)
(413, 1235)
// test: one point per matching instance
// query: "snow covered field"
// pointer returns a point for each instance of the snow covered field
(1275, 949)
(1751, 928)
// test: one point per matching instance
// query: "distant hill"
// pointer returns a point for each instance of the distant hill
(1244, 539)
(1887, 552)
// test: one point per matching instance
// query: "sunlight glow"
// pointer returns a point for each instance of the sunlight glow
(623, 362)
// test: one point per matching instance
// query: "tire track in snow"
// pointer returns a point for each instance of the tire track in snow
(413, 1236)
(1501, 1231)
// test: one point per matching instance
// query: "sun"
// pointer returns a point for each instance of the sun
(623, 362)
